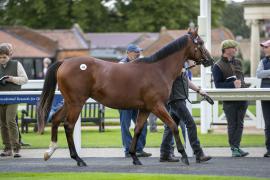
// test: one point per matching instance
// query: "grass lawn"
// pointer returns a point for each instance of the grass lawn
(112, 138)
(113, 113)
(115, 176)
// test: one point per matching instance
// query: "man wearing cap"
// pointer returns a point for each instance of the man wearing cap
(263, 72)
(126, 115)
(227, 73)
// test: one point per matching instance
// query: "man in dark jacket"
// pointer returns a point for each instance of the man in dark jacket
(179, 112)
(227, 73)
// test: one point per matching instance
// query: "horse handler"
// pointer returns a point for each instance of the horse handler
(179, 112)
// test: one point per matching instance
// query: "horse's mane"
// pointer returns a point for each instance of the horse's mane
(167, 50)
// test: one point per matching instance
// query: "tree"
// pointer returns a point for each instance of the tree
(151, 15)
(38, 13)
(126, 15)
(54, 14)
(233, 19)
(174, 14)
(91, 15)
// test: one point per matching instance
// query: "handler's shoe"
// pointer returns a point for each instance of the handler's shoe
(16, 153)
(202, 158)
(6, 152)
(127, 155)
(267, 154)
(168, 158)
(243, 153)
(143, 154)
(235, 152)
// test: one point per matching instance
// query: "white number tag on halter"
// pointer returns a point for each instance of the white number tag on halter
(83, 67)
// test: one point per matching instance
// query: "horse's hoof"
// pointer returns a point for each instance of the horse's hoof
(81, 164)
(137, 162)
(185, 160)
(46, 156)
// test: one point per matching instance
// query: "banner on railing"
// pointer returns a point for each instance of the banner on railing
(24, 97)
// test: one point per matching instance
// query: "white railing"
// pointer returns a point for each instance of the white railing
(251, 95)
(218, 95)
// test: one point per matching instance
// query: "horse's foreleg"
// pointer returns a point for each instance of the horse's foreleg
(69, 124)
(56, 119)
(161, 112)
(141, 120)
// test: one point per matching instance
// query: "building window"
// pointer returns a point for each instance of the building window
(33, 67)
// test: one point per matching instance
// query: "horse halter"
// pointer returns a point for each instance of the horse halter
(202, 50)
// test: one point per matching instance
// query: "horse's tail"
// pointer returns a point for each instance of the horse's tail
(47, 95)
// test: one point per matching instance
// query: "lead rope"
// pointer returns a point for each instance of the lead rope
(205, 97)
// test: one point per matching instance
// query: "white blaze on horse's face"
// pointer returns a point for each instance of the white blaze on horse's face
(83, 67)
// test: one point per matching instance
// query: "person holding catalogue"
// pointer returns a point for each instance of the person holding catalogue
(13, 76)
(227, 73)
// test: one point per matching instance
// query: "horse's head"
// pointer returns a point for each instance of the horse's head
(198, 52)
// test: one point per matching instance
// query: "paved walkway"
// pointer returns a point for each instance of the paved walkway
(118, 152)
(222, 166)
(112, 160)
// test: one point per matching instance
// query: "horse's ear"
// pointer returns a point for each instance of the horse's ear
(196, 29)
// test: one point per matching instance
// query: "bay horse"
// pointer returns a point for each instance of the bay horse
(144, 84)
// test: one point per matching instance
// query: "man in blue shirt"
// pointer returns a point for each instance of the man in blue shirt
(133, 53)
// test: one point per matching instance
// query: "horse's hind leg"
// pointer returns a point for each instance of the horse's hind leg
(56, 119)
(162, 113)
(141, 119)
(69, 124)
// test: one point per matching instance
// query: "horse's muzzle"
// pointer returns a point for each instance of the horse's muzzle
(207, 62)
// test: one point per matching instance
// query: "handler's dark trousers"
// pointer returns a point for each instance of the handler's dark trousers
(179, 112)
(235, 112)
(266, 116)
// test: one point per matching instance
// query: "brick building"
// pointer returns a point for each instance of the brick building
(32, 46)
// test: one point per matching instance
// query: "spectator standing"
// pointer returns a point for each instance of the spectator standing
(15, 76)
(227, 73)
(46, 63)
(263, 72)
(126, 115)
